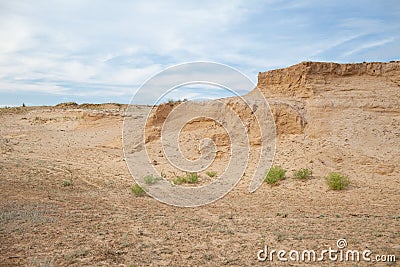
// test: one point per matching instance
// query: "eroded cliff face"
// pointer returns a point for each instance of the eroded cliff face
(324, 113)
(306, 79)
(305, 95)
(350, 113)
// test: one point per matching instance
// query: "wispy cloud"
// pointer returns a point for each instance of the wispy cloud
(368, 46)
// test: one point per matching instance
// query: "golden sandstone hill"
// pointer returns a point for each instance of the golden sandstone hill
(329, 116)
(316, 85)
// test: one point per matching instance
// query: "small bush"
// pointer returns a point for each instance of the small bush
(179, 180)
(275, 174)
(192, 178)
(211, 173)
(150, 179)
(137, 190)
(337, 181)
(303, 173)
(67, 182)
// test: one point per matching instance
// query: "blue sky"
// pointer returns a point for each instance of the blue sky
(102, 51)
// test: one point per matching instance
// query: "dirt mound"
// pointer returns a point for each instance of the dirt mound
(331, 103)
(67, 105)
(300, 93)
(103, 106)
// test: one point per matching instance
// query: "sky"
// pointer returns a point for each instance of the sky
(103, 51)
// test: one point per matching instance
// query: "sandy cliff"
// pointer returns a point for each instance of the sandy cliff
(337, 110)
(308, 79)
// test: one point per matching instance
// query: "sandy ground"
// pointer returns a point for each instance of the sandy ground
(97, 221)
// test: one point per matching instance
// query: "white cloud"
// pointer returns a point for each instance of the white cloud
(16, 34)
(29, 87)
(76, 42)
(369, 45)
(328, 44)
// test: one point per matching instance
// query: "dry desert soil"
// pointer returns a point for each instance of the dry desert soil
(66, 190)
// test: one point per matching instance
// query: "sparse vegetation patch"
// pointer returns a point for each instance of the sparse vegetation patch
(274, 175)
(66, 182)
(137, 190)
(337, 181)
(150, 179)
(303, 174)
(211, 173)
(189, 178)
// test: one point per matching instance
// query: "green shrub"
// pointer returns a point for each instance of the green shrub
(179, 180)
(275, 174)
(67, 182)
(192, 178)
(150, 179)
(211, 173)
(337, 181)
(303, 173)
(137, 190)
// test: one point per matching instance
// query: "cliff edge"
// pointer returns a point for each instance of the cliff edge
(328, 116)
(308, 78)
